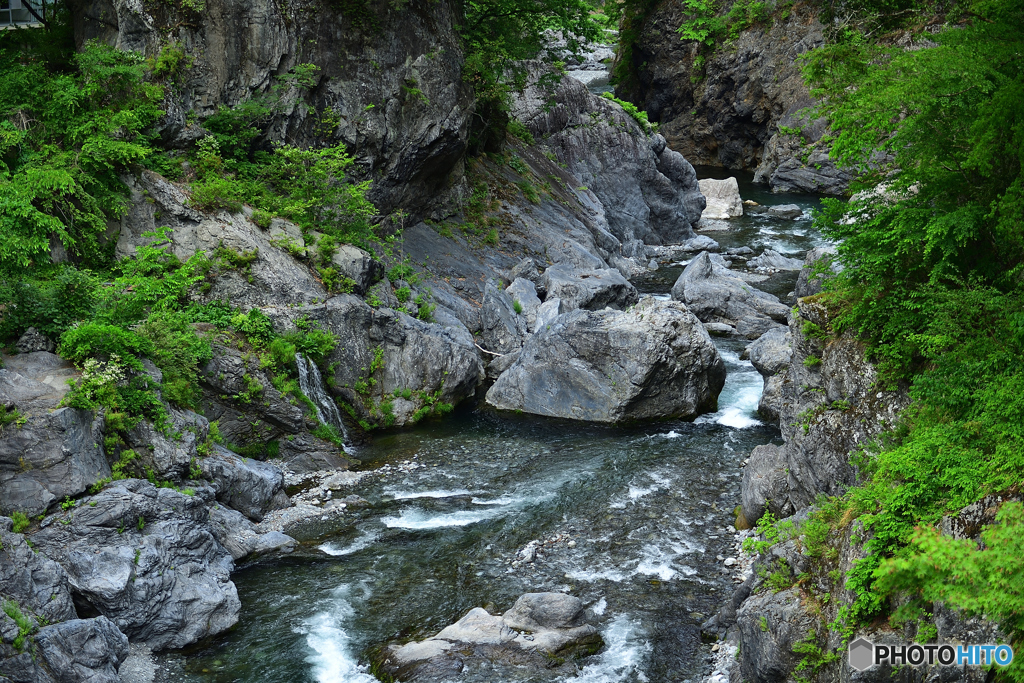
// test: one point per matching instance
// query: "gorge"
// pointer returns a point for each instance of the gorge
(346, 342)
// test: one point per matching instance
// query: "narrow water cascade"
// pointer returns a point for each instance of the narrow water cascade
(312, 385)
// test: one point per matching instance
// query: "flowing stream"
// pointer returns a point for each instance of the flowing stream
(641, 515)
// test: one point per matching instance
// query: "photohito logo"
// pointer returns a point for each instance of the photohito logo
(864, 654)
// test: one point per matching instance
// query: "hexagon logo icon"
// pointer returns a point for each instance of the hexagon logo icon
(861, 651)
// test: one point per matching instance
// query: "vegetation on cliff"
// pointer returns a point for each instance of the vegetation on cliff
(933, 283)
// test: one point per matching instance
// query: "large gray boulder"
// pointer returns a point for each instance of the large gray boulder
(653, 361)
(714, 294)
(589, 289)
(770, 354)
(504, 330)
(83, 650)
(244, 539)
(764, 484)
(770, 625)
(358, 266)
(146, 558)
(541, 629)
(771, 260)
(50, 452)
(249, 486)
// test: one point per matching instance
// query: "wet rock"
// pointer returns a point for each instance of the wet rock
(740, 251)
(588, 289)
(247, 485)
(723, 197)
(146, 558)
(504, 330)
(714, 295)
(819, 265)
(541, 630)
(773, 260)
(83, 650)
(655, 360)
(33, 340)
(785, 211)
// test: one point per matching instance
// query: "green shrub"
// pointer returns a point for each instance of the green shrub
(20, 521)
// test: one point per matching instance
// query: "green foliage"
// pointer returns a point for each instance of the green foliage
(639, 116)
(11, 416)
(64, 140)
(517, 307)
(20, 521)
(26, 625)
(517, 129)
(987, 582)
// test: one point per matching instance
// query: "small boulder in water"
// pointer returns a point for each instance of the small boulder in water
(787, 211)
(773, 260)
(723, 198)
(541, 631)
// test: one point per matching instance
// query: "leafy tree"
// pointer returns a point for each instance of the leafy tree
(64, 139)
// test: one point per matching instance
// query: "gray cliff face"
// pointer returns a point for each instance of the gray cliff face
(732, 111)
(390, 86)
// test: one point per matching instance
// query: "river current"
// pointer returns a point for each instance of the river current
(631, 520)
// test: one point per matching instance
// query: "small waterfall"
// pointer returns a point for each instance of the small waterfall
(312, 385)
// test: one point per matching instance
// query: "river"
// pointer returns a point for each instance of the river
(640, 516)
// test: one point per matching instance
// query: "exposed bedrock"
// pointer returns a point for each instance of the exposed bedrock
(744, 107)
(653, 361)
(407, 142)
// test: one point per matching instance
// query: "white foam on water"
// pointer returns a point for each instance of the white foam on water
(662, 297)
(599, 607)
(656, 562)
(592, 575)
(624, 657)
(331, 656)
(635, 493)
(417, 519)
(504, 500)
(740, 414)
(412, 495)
(672, 435)
(361, 543)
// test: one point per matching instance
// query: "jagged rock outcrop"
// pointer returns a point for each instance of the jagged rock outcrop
(829, 405)
(246, 485)
(404, 60)
(819, 264)
(638, 190)
(541, 630)
(44, 455)
(738, 109)
(146, 558)
(717, 295)
(653, 361)
(503, 329)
